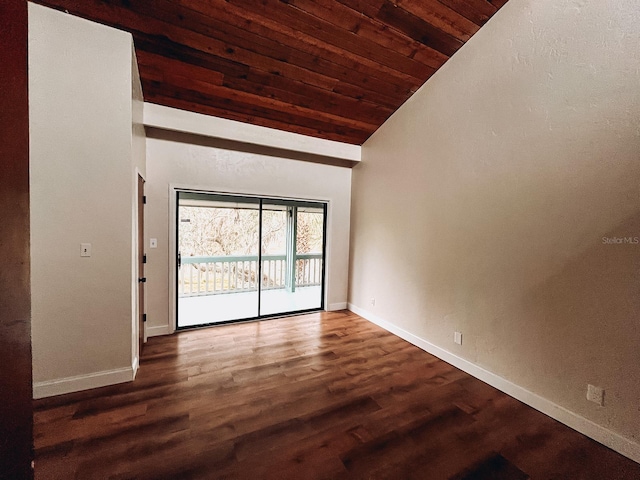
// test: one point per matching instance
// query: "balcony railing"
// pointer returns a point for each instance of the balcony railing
(233, 274)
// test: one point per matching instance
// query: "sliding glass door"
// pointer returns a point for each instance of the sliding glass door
(242, 258)
(218, 252)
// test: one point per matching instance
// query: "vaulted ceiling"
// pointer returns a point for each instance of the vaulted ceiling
(334, 69)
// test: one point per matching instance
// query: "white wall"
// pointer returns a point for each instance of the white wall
(482, 204)
(138, 138)
(139, 168)
(80, 95)
(172, 161)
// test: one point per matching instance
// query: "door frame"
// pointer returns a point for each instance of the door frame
(140, 306)
(142, 337)
(173, 240)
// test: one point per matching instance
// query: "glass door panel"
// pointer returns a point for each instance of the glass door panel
(309, 256)
(275, 269)
(218, 258)
(292, 257)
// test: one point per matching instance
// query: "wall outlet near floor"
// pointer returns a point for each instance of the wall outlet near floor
(373, 302)
(595, 394)
(457, 337)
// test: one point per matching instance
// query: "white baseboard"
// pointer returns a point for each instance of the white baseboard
(134, 367)
(337, 306)
(158, 331)
(620, 444)
(78, 383)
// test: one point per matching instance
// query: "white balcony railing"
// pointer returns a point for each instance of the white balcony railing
(232, 274)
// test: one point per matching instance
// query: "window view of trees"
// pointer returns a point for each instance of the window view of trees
(233, 233)
(310, 226)
(218, 231)
(215, 231)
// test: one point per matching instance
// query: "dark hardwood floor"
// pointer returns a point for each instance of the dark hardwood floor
(316, 396)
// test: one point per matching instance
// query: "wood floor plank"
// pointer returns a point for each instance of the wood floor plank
(324, 395)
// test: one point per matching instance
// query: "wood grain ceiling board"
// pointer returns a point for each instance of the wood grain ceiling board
(333, 69)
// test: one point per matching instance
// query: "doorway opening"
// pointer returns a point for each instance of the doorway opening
(244, 258)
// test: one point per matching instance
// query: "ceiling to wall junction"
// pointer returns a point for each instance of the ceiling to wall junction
(333, 69)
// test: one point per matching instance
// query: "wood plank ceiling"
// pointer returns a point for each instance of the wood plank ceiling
(334, 69)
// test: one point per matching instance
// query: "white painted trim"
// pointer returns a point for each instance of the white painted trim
(135, 325)
(158, 331)
(173, 119)
(337, 306)
(173, 255)
(600, 434)
(134, 367)
(78, 383)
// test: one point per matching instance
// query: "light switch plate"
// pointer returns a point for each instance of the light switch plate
(153, 243)
(85, 249)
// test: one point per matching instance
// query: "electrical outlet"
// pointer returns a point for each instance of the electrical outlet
(457, 337)
(373, 302)
(595, 394)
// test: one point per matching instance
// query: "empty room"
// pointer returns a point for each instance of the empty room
(330, 239)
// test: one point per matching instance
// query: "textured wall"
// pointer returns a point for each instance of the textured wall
(81, 192)
(173, 161)
(483, 205)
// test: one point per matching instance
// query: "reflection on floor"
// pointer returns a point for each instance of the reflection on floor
(320, 396)
(236, 306)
